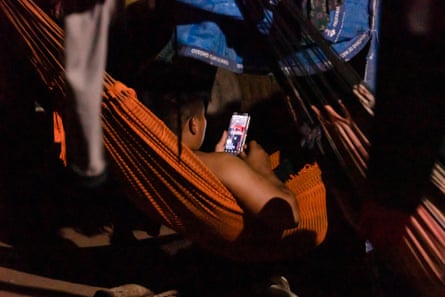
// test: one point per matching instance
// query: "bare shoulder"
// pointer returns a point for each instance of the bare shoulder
(230, 169)
(218, 162)
(252, 189)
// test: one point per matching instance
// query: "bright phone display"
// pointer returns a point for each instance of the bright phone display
(237, 133)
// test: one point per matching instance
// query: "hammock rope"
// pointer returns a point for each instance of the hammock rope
(284, 31)
(190, 199)
(421, 248)
(180, 193)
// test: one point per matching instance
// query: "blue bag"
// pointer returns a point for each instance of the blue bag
(217, 37)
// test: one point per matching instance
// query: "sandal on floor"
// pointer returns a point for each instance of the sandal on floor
(280, 288)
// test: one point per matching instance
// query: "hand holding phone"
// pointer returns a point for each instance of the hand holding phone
(257, 158)
(237, 133)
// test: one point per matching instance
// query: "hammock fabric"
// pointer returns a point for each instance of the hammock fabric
(179, 192)
(184, 195)
(145, 152)
(416, 247)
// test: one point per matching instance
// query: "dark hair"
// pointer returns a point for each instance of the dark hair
(176, 107)
(174, 92)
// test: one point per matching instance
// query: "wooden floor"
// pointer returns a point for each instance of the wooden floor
(47, 249)
(52, 246)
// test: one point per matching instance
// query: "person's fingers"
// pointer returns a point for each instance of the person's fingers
(219, 147)
(242, 155)
(252, 142)
(254, 145)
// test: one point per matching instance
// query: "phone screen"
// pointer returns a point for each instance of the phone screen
(237, 133)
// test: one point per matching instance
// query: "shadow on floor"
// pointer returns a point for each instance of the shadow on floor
(32, 212)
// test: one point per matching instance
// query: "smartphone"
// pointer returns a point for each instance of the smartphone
(237, 133)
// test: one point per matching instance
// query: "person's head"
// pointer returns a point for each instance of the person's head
(179, 97)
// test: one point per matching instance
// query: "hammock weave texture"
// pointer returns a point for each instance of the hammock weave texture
(179, 192)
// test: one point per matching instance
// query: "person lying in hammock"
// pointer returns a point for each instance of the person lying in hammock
(180, 98)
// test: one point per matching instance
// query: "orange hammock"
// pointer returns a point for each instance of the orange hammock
(182, 194)
(187, 197)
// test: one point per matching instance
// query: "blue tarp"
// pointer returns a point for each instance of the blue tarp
(216, 38)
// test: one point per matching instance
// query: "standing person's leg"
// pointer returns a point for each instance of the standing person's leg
(86, 42)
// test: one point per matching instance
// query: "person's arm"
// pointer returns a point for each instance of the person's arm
(252, 181)
(258, 159)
